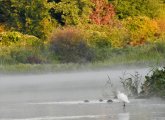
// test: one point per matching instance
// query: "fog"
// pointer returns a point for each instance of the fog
(59, 86)
(61, 96)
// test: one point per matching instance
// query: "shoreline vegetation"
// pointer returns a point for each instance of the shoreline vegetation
(152, 85)
(73, 67)
(59, 35)
(140, 56)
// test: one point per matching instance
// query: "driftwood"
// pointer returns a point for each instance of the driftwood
(132, 83)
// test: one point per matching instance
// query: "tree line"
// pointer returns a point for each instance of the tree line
(39, 17)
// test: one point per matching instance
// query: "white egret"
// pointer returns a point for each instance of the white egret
(122, 97)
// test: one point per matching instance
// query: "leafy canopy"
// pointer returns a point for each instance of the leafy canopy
(72, 12)
(31, 17)
(125, 8)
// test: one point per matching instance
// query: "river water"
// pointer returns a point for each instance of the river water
(60, 96)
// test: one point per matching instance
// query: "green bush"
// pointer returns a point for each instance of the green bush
(23, 55)
(70, 46)
(19, 48)
(8, 38)
(131, 8)
(119, 37)
(5, 57)
(97, 35)
(159, 47)
(102, 54)
(154, 84)
(99, 39)
(19, 39)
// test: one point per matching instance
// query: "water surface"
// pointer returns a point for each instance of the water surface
(61, 97)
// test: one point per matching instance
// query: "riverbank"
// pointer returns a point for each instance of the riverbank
(56, 68)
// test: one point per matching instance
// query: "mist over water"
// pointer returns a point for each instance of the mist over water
(60, 96)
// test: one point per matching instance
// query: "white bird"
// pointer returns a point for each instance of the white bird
(122, 97)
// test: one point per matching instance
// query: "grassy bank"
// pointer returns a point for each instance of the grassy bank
(56, 68)
(141, 56)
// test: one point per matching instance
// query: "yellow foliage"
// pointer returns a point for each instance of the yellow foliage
(18, 39)
(141, 29)
(47, 24)
(119, 37)
(161, 25)
(96, 35)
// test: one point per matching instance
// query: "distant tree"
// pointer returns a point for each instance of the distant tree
(103, 12)
(5, 10)
(27, 16)
(125, 8)
(71, 12)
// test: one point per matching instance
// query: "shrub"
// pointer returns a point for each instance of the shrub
(8, 38)
(99, 40)
(155, 83)
(31, 42)
(131, 8)
(5, 57)
(140, 29)
(103, 36)
(119, 37)
(19, 48)
(19, 55)
(97, 35)
(159, 47)
(19, 39)
(70, 46)
(131, 83)
(24, 55)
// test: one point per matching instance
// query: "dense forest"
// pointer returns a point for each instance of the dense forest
(80, 31)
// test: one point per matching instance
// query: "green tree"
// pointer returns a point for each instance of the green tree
(125, 8)
(5, 8)
(27, 16)
(71, 12)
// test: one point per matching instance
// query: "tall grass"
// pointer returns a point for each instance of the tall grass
(146, 55)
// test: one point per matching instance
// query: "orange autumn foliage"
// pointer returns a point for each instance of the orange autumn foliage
(103, 12)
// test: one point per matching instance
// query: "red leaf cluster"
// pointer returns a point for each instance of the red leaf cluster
(103, 12)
